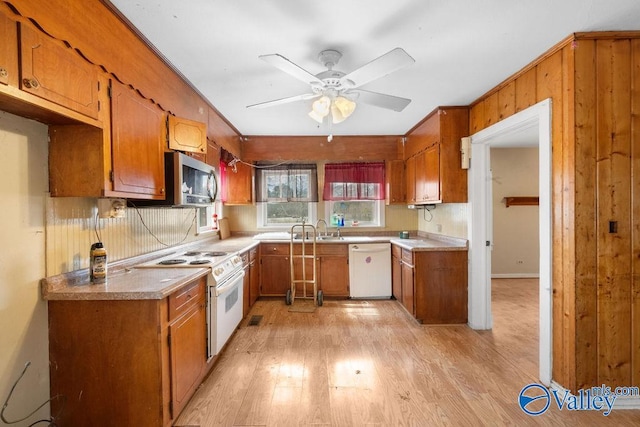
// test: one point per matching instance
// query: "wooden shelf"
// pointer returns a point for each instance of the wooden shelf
(521, 201)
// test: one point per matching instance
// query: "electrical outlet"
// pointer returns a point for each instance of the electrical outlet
(519, 262)
(111, 208)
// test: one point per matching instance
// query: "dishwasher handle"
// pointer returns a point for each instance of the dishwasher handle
(366, 250)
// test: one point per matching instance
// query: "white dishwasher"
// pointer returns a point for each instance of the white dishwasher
(370, 270)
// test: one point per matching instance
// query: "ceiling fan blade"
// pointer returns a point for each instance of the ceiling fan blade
(290, 68)
(381, 100)
(302, 97)
(379, 67)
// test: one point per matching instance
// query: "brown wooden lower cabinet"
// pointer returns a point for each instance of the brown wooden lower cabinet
(275, 273)
(332, 269)
(254, 272)
(251, 279)
(127, 362)
(432, 284)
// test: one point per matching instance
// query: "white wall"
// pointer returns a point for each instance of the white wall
(516, 250)
(23, 313)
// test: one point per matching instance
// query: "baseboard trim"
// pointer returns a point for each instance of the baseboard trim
(516, 276)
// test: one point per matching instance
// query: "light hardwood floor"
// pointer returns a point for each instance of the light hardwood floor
(353, 363)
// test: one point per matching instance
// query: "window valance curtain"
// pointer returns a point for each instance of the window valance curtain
(286, 182)
(354, 181)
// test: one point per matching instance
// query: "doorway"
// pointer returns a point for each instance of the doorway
(480, 222)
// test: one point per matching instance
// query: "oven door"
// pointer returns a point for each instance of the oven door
(226, 310)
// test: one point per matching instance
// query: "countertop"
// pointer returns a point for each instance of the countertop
(421, 245)
(127, 283)
(418, 244)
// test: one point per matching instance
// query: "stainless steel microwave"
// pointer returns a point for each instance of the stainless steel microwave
(188, 182)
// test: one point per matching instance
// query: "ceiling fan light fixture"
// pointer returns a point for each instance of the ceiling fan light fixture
(315, 116)
(321, 106)
(336, 115)
(345, 105)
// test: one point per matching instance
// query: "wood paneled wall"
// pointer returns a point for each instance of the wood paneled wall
(317, 148)
(106, 40)
(593, 80)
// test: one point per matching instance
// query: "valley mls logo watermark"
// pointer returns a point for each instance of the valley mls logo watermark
(535, 399)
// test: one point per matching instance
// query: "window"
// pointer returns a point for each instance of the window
(286, 194)
(354, 193)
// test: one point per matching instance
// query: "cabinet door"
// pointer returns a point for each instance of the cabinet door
(54, 72)
(246, 297)
(275, 275)
(395, 182)
(237, 184)
(410, 177)
(138, 140)
(431, 177)
(254, 283)
(334, 276)
(396, 278)
(188, 353)
(407, 288)
(441, 287)
(8, 51)
(187, 135)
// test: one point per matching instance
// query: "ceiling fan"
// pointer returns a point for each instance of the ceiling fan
(337, 92)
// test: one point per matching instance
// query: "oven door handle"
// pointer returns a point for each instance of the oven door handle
(230, 283)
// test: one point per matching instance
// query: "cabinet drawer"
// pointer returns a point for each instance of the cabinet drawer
(245, 258)
(186, 297)
(339, 249)
(276, 249)
(407, 256)
(396, 251)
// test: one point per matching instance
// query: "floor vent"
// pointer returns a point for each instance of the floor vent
(255, 320)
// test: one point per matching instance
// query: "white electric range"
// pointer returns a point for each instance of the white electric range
(225, 290)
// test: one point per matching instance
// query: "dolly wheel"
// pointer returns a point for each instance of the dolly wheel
(287, 298)
(320, 298)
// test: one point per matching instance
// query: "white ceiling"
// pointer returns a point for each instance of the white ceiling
(462, 49)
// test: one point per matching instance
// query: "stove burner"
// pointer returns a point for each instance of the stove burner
(200, 261)
(191, 253)
(213, 254)
(172, 261)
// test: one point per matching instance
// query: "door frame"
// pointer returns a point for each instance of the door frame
(480, 221)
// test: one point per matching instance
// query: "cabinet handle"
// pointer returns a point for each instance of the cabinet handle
(162, 191)
(30, 83)
(3, 72)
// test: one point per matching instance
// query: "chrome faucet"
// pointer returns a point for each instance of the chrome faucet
(325, 225)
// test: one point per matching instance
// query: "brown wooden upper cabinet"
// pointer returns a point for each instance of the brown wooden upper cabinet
(237, 185)
(395, 182)
(122, 160)
(432, 155)
(8, 51)
(52, 71)
(138, 140)
(187, 135)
